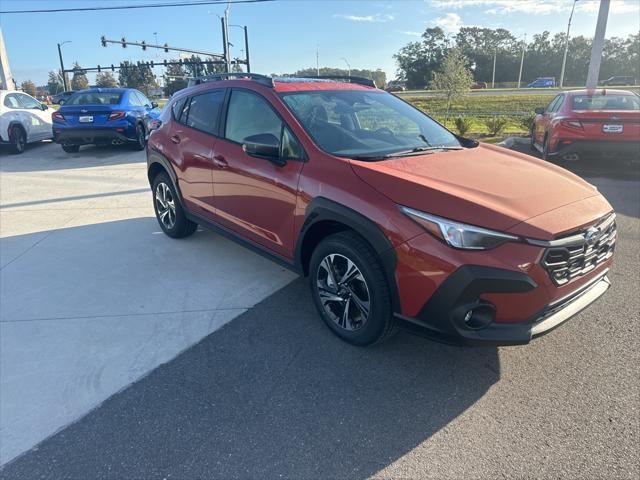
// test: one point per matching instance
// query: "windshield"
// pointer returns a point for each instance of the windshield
(606, 102)
(95, 98)
(366, 124)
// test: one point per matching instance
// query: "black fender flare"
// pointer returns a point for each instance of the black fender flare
(322, 209)
(16, 123)
(156, 157)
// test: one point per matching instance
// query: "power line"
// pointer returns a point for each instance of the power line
(129, 7)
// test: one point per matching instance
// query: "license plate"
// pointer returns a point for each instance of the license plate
(612, 128)
(85, 118)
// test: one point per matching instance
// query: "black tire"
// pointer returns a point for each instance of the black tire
(532, 143)
(379, 323)
(545, 148)
(71, 148)
(18, 139)
(141, 138)
(178, 225)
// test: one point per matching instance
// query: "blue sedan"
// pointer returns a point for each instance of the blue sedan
(104, 116)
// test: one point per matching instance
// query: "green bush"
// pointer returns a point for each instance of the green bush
(496, 125)
(526, 122)
(463, 125)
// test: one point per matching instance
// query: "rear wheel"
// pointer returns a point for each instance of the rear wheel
(171, 217)
(141, 138)
(350, 289)
(17, 139)
(71, 148)
(545, 148)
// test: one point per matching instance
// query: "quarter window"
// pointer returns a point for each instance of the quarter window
(204, 111)
(11, 101)
(177, 108)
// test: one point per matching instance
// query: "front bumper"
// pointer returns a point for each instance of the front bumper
(442, 317)
(86, 136)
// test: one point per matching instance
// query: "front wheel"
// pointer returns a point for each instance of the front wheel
(71, 148)
(141, 138)
(169, 213)
(350, 289)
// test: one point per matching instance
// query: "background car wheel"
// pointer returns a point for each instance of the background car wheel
(141, 138)
(545, 148)
(71, 148)
(169, 213)
(532, 142)
(350, 289)
(18, 139)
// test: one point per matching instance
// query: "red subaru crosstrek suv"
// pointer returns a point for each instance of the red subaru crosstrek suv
(396, 220)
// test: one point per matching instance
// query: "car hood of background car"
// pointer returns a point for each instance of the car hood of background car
(487, 186)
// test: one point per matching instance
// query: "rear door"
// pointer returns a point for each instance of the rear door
(544, 122)
(14, 112)
(256, 197)
(193, 135)
(39, 119)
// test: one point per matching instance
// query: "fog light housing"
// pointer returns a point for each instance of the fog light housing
(479, 316)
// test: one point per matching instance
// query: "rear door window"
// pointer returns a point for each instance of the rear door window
(11, 101)
(28, 102)
(204, 112)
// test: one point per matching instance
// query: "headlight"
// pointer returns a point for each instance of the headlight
(459, 235)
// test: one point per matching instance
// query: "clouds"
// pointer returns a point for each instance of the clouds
(536, 7)
(375, 18)
(450, 23)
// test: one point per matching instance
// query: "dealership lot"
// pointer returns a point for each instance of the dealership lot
(94, 297)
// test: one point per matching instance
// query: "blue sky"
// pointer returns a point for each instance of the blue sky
(283, 34)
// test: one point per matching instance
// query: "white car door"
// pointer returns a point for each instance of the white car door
(15, 113)
(40, 119)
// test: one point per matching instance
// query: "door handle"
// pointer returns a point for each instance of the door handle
(220, 161)
(175, 139)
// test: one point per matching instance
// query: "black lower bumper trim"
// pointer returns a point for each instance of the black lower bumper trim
(89, 137)
(603, 146)
(442, 317)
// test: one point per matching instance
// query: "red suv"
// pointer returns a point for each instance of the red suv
(396, 220)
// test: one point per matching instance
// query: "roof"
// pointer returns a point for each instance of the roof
(105, 90)
(297, 84)
(599, 91)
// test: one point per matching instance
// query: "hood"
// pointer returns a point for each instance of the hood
(487, 186)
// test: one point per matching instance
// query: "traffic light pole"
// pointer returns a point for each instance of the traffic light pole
(64, 75)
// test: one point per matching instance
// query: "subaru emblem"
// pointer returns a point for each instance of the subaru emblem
(591, 236)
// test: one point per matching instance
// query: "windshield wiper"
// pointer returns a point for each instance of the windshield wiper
(418, 151)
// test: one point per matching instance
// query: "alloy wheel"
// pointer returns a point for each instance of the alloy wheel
(343, 292)
(165, 205)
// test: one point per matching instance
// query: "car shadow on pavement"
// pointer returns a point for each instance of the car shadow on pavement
(44, 156)
(271, 394)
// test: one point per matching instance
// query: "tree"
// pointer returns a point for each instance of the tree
(54, 83)
(29, 87)
(418, 60)
(105, 79)
(175, 79)
(79, 80)
(454, 77)
(138, 76)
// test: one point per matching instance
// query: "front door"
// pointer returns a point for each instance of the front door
(256, 197)
(38, 120)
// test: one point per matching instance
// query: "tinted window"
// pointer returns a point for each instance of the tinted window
(177, 108)
(606, 102)
(28, 102)
(365, 123)
(204, 111)
(250, 115)
(11, 101)
(144, 101)
(134, 99)
(95, 98)
(552, 105)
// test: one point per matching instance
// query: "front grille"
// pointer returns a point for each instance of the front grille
(591, 247)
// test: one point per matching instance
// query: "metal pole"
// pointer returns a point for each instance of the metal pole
(348, 66)
(493, 78)
(524, 45)
(318, 59)
(225, 25)
(566, 45)
(6, 79)
(246, 48)
(64, 75)
(598, 41)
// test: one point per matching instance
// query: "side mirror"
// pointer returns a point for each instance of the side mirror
(539, 111)
(263, 145)
(44, 106)
(154, 104)
(62, 101)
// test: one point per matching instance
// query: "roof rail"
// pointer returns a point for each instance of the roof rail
(367, 82)
(216, 77)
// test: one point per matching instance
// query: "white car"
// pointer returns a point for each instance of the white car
(23, 119)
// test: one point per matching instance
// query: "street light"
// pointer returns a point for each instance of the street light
(348, 66)
(566, 44)
(246, 44)
(64, 75)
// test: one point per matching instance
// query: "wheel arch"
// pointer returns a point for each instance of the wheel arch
(325, 217)
(158, 163)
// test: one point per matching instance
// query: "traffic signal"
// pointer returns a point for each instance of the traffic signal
(144, 45)
(152, 64)
(124, 42)
(113, 69)
(166, 47)
(103, 41)
(99, 69)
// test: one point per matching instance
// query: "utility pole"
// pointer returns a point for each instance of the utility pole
(598, 41)
(348, 66)
(524, 45)
(6, 80)
(246, 48)
(317, 59)
(566, 45)
(64, 75)
(225, 44)
(493, 78)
